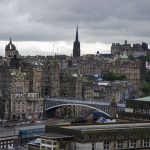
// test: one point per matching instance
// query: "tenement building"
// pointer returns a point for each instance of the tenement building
(50, 79)
(131, 69)
(24, 104)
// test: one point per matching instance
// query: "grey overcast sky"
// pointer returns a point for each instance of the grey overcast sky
(44, 27)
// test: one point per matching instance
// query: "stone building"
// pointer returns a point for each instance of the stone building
(135, 50)
(116, 90)
(5, 91)
(134, 70)
(24, 104)
(18, 89)
(68, 84)
(2, 105)
(90, 67)
(50, 79)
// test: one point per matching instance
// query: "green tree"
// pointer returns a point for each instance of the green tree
(131, 57)
(110, 76)
(147, 77)
(122, 77)
(146, 88)
(147, 58)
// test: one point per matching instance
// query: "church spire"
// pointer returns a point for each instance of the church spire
(76, 46)
(76, 34)
(10, 40)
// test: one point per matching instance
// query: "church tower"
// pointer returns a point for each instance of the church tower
(76, 46)
(10, 50)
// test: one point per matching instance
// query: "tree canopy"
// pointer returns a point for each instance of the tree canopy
(110, 76)
(147, 77)
(146, 88)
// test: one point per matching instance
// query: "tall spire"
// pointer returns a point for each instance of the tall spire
(76, 45)
(10, 40)
(76, 34)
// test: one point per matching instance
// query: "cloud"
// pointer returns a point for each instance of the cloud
(100, 21)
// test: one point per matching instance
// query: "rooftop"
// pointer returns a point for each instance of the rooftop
(30, 127)
(56, 136)
(147, 99)
(108, 127)
(5, 129)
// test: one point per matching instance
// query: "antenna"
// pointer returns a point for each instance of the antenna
(53, 48)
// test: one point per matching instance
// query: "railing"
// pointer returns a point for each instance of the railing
(90, 102)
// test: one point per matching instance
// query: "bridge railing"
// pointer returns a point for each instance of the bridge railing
(91, 102)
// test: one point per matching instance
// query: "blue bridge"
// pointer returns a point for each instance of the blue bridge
(103, 107)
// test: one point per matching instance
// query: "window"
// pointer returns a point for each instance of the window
(49, 142)
(106, 145)
(147, 111)
(132, 143)
(120, 144)
(146, 142)
(137, 111)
